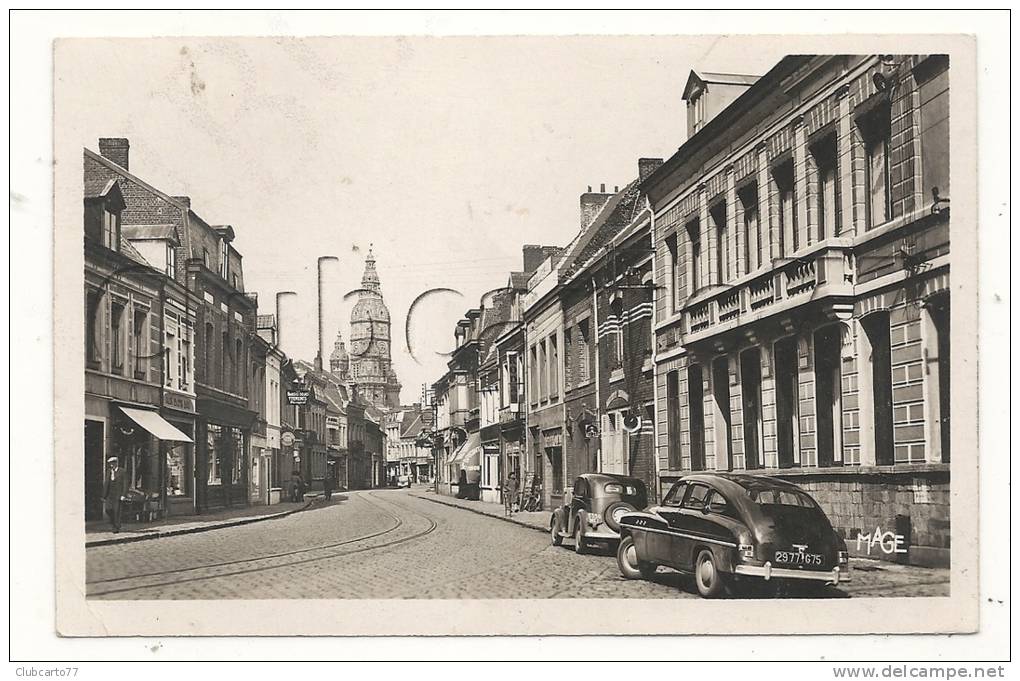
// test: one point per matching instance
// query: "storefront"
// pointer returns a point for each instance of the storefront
(142, 439)
(179, 410)
(465, 468)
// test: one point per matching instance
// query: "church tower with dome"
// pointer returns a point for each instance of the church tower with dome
(368, 364)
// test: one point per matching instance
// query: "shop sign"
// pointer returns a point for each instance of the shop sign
(287, 438)
(297, 397)
(177, 401)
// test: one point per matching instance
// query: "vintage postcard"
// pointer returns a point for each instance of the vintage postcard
(487, 335)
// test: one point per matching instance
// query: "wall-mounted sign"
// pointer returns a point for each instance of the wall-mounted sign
(287, 438)
(178, 401)
(297, 397)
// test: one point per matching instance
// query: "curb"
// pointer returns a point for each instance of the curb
(160, 534)
(487, 515)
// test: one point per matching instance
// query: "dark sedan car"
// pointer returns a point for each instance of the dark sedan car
(597, 502)
(722, 528)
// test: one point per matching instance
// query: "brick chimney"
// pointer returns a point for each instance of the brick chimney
(115, 149)
(647, 166)
(591, 204)
(535, 255)
(186, 200)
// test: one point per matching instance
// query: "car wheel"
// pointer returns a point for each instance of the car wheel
(554, 530)
(707, 577)
(579, 546)
(627, 560)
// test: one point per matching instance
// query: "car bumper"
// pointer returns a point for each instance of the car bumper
(602, 535)
(767, 572)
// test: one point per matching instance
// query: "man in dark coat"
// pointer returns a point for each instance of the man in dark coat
(115, 491)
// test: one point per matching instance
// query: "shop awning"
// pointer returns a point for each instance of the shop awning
(466, 456)
(155, 424)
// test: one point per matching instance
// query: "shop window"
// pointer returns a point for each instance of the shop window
(117, 337)
(827, 185)
(696, 411)
(783, 178)
(178, 474)
(214, 436)
(748, 197)
(722, 238)
(875, 130)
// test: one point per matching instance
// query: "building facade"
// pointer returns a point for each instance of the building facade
(802, 256)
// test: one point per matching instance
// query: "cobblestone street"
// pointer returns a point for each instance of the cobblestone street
(390, 544)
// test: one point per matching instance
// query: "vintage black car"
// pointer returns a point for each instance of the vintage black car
(724, 528)
(593, 512)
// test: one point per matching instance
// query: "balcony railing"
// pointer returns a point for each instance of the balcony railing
(823, 273)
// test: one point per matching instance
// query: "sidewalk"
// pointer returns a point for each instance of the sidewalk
(535, 520)
(98, 533)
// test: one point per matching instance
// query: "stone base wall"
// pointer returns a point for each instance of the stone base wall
(900, 516)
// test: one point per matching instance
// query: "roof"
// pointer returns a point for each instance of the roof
(130, 251)
(626, 205)
(711, 130)
(412, 424)
(96, 186)
(710, 77)
(151, 232)
(519, 280)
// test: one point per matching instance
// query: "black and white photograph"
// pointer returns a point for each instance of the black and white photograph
(469, 334)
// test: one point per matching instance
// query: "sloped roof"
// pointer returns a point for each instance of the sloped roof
(151, 232)
(130, 251)
(625, 206)
(710, 77)
(96, 186)
(519, 280)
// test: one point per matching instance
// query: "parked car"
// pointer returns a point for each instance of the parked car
(403, 481)
(593, 512)
(726, 528)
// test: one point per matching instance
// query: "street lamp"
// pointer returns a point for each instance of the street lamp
(320, 354)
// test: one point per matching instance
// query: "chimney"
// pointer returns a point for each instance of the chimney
(535, 255)
(591, 204)
(186, 200)
(647, 166)
(115, 149)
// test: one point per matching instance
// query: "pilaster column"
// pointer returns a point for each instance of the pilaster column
(801, 189)
(770, 245)
(844, 135)
(735, 229)
(708, 245)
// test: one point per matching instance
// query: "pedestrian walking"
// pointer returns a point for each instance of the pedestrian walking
(327, 485)
(510, 489)
(115, 491)
(297, 485)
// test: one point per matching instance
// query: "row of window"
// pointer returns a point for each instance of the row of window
(786, 192)
(544, 370)
(814, 409)
(127, 327)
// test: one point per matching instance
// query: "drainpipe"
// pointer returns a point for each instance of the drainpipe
(598, 396)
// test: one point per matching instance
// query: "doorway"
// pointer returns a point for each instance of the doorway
(696, 404)
(787, 409)
(828, 398)
(876, 328)
(94, 470)
(723, 417)
(750, 392)
(938, 310)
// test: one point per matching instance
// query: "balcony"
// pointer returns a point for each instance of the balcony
(824, 272)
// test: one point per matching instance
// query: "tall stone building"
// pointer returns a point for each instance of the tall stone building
(370, 364)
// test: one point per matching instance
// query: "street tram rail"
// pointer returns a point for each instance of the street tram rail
(432, 526)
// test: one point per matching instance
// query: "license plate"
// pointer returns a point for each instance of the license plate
(799, 558)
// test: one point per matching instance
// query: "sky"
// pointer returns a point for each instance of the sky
(444, 154)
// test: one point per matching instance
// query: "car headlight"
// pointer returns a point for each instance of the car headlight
(594, 519)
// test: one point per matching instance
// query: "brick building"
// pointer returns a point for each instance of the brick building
(802, 262)
(207, 270)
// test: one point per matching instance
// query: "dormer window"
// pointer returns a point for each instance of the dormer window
(111, 229)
